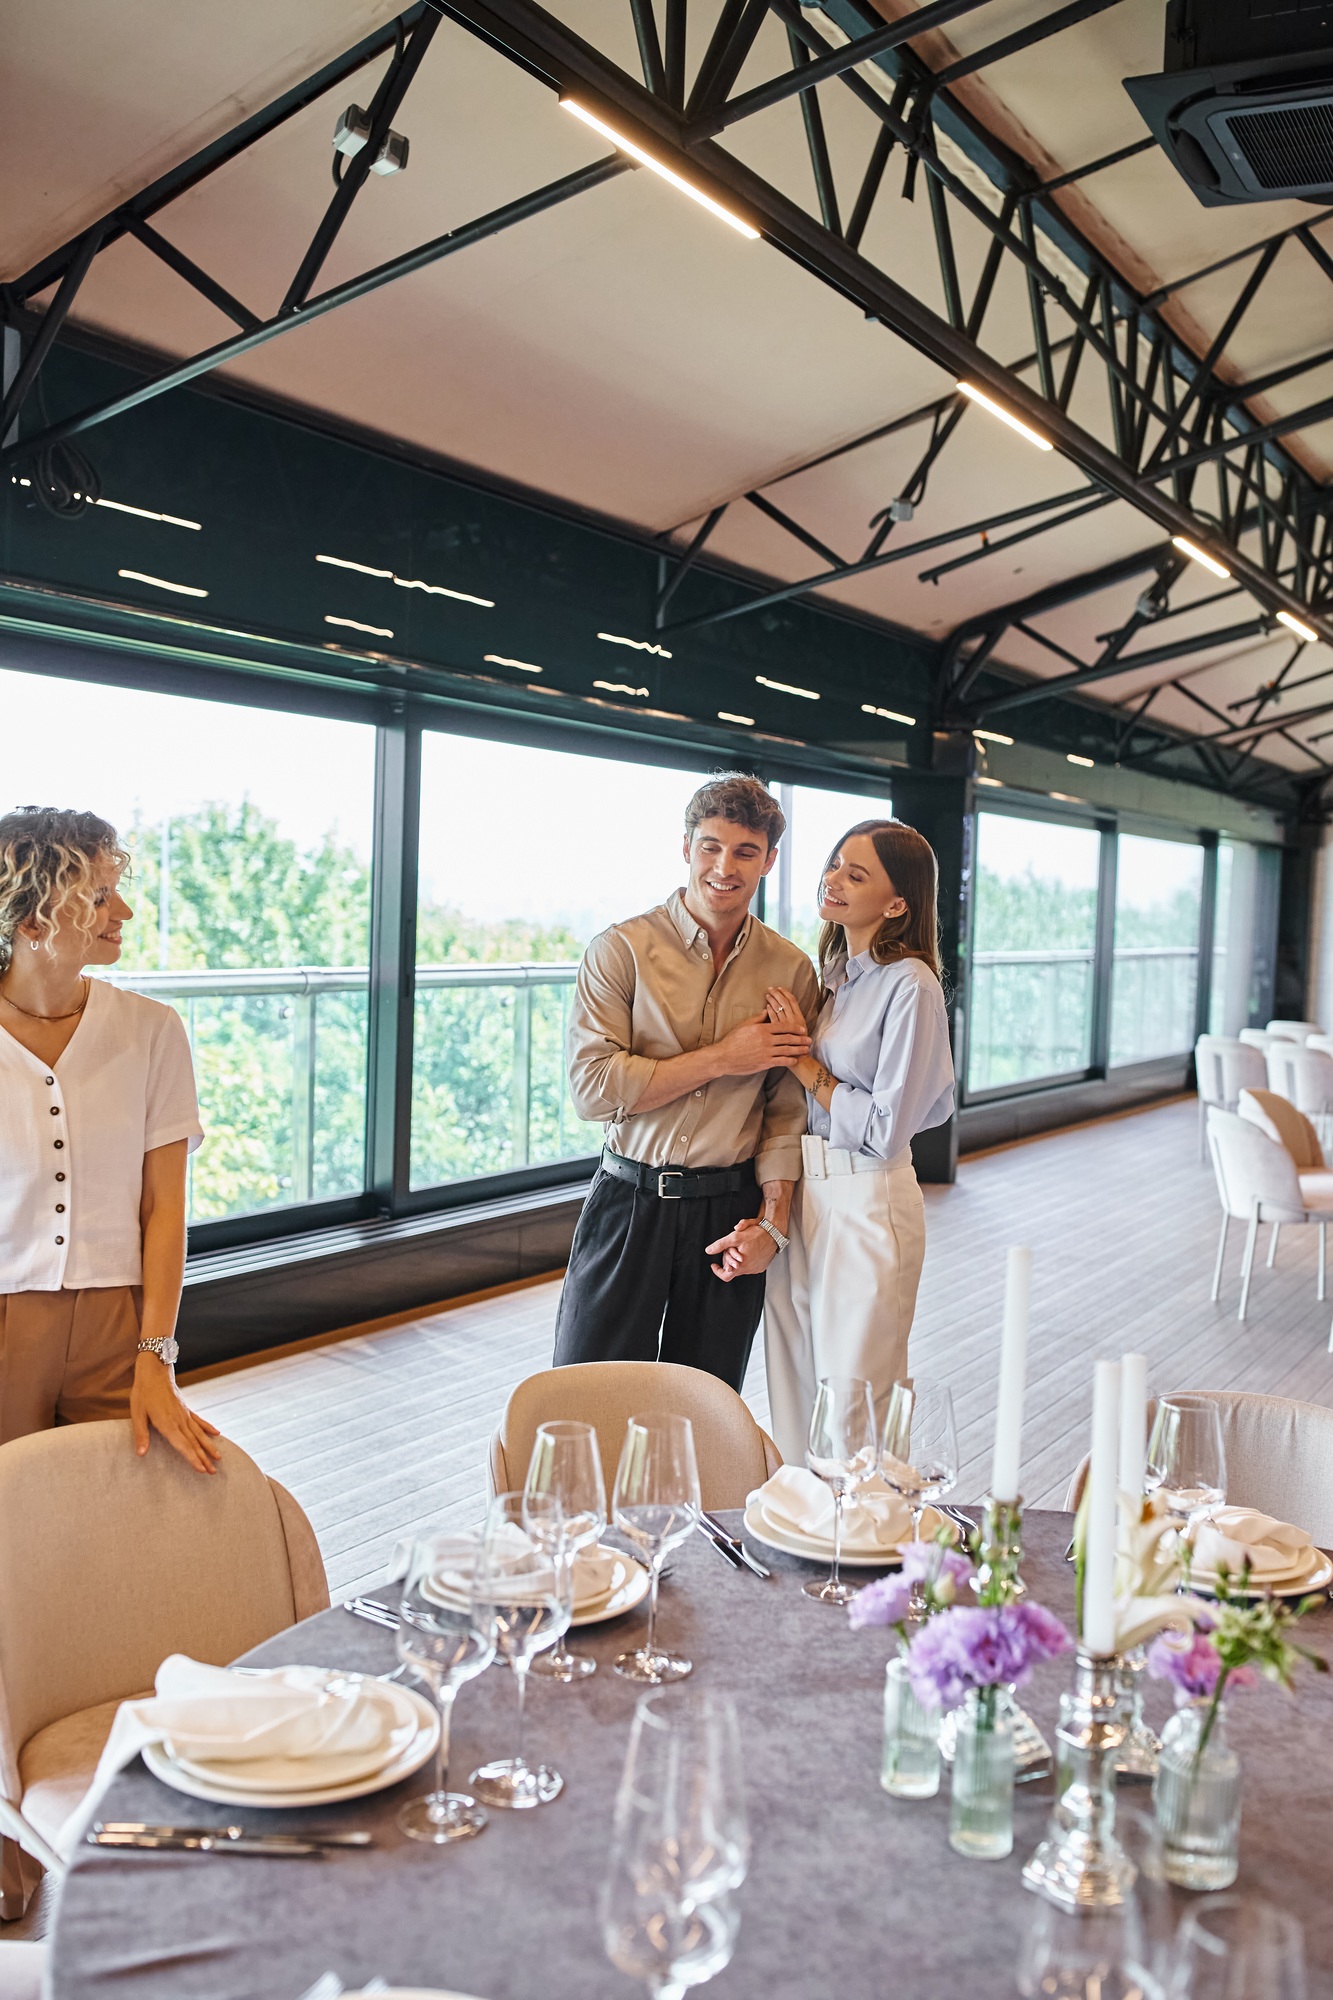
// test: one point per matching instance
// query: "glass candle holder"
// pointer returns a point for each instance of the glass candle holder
(911, 1763)
(981, 1798)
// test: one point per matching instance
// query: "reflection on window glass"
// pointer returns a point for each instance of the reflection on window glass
(1155, 977)
(1243, 937)
(816, 822)
(525, 855)
(250, 835)
(1034, 936)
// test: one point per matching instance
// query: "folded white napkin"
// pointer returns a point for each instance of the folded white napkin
(594, 1574)
(212, 1715)
(1228, 1537)
(873, 1518)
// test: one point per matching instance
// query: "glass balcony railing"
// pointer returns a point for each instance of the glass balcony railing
(1031, 1011)
(280, 1061)
(1153, 994)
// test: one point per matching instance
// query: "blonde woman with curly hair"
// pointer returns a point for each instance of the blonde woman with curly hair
(97, 1113)
(879, 1071)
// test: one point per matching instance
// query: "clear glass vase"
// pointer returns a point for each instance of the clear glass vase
(911, 1766)
(1196, 1798)
(981, 1807)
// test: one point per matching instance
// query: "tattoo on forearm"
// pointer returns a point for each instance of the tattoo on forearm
(823, 1080)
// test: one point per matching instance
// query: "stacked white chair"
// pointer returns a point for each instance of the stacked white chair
(1223, 1067)
(1258, 1180)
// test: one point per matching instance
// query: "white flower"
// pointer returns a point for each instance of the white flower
(1149, 1566)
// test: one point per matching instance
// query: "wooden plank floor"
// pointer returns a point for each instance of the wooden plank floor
(386, 1430)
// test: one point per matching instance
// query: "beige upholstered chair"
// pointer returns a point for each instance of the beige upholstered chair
(1258, 1179)
(1223, 1067)
(734, 1454)
(1279, 1458)
(21, 1970)
(108, 1563)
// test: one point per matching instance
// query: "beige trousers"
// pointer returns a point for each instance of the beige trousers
(66, 1357)
(840, 1298)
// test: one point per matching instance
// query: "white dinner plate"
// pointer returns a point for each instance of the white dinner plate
(814, 1549)
(1317, 1575)
(261, 1775)
(215, 1786)
(630, 1587)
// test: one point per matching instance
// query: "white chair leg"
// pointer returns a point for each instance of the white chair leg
(1203, 1132)
(1322, 1261)
(1247, 1264)
(1272, 1245)
(18, 1828)
(1221, 1252)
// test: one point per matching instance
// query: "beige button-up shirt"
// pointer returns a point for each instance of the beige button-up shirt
(647, 991)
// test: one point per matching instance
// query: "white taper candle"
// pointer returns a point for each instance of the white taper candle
(1133, 1422)
(1013, 1371)
(1099, 1558)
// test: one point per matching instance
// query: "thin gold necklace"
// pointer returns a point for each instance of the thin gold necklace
(30, 1016)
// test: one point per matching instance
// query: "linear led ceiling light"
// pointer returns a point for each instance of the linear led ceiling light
(146, 514)
(619, 687)
(1198, 555)
(639, 645)
(355, 625)
(992, 736)
(499, 660)
(975, 395)
(408, 582)
(657, 167)
(889, 714)
(745, 721)
(1086, 762)
(160, 583)
(785, 687)
(1298, 626)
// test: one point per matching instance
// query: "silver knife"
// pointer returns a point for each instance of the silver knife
(206, 1843)
(373, 1612)
(312, 1838)
(728, 1554)
(736, 1546)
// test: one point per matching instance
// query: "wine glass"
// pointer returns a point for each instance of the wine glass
(437, 1639)
(567, 1465)
(1238, 1948)
(656, 1503)
(521, 1603)
(680, 1846)
(1085, 1955)
(1187, 1459)
(841, 1452)
(919, 1454)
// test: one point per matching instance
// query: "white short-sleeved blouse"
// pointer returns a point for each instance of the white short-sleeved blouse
(73, 1138)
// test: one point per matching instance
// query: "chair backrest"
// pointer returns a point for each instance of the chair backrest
(1250, 1166)
(734, 1454)
(109, 1562)
(1279, 1458)
(1294, 1031)
(1224, 1066)
(1321, 1043)
(1278, 1119)
(1309, 1077)
(1257, 1038)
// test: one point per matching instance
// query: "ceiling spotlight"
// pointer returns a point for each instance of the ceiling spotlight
(392, 155)
(658, 167)
(352, 133)
(992, 736)
(1187, 548)
(1086, 762)
(901, 510)
(1298, 626)
(976, 395)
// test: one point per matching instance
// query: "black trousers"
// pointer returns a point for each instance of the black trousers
(639, 1287)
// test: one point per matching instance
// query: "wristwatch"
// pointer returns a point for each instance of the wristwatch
(167, 1351)
(772, 1229)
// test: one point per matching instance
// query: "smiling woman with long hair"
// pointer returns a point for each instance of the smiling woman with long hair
(880, 1070)
(97, 1113)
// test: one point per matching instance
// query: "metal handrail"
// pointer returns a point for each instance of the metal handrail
(205, 985)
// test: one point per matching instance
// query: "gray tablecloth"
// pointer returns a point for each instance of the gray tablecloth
(850, 1892)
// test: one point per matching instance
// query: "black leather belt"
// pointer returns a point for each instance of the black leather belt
(676, 1183)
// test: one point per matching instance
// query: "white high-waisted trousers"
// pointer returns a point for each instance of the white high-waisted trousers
(840, 1298)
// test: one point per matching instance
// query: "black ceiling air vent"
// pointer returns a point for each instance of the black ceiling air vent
(1244, 107)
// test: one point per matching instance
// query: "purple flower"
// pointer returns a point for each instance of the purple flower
(943, 1572)
(946, 1569)
(883, 1602)
(981, 1647)
(1190, 1662)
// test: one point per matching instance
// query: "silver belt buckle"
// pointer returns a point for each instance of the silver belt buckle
(671, 1174)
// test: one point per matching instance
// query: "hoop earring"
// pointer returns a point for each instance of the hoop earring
(32, 944)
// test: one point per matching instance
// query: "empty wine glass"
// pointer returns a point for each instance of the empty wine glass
(521, 1604)
(1085, 1954)
(656, 1503)
(566, 1464)
(919, 1454)
(1187, 1459)
(680, 1846)
(841, 1452)
(1238, 1948)
(437, 1639)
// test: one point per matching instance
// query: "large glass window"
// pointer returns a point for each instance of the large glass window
(816, 822)
(1155, 976)
(1033, 950)
(1244, 925)
(250, 837)
(525, 855)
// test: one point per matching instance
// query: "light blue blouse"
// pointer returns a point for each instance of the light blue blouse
(883, 1031)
